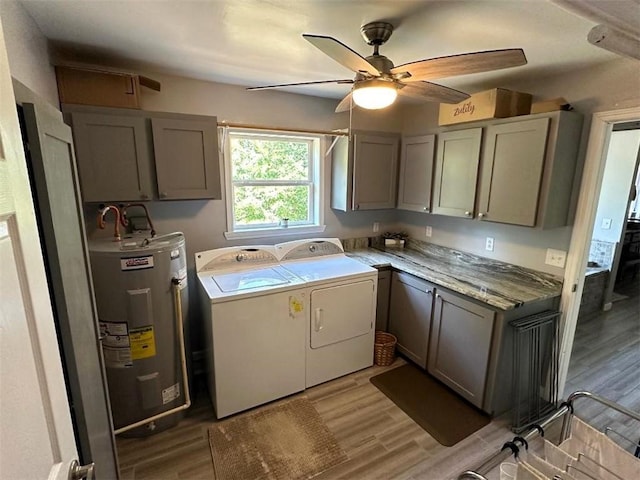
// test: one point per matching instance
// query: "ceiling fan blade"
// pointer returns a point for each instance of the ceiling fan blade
(345, 104)
(463, 64)
(433, 92)
(346, 81)
(342, 54)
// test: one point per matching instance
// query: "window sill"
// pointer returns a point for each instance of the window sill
(275, 232)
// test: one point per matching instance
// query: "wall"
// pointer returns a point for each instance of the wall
(616, 184)
(28, 51)
(615, 84)
(204, 221)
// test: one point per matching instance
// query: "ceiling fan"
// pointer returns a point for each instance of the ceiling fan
(378, 82)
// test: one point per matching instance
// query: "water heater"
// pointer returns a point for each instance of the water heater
(141, 297)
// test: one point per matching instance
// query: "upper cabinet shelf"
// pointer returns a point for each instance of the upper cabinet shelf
(129, 155)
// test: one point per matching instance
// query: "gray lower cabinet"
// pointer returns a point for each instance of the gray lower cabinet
(416, 173)
(410, 315)
(131, 155)
(460, 345)
(456, 172)
(382, 304)
(364, 172)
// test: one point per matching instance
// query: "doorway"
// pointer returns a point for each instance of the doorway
(601, 349)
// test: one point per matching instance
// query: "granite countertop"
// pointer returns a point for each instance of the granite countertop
(498, 284)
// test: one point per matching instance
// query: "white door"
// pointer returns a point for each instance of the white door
(36, 438)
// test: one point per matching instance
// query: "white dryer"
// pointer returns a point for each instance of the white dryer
(255, 315)
(342, 306)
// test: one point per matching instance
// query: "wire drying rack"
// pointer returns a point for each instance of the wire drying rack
(566, 412)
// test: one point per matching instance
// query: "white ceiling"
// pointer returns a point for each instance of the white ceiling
(253, 42)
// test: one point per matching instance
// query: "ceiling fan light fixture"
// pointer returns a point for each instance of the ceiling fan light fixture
(374, 94)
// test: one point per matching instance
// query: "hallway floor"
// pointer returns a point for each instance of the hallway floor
(606, 360)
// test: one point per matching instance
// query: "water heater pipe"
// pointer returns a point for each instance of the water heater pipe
(176, 284)
(101, 222)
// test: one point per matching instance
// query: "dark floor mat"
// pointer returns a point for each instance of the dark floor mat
(443, 414)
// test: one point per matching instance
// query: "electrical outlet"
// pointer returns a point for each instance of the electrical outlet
(606, 224)
(489, 244)
(556, 258)
(376, 226)
(428, 231)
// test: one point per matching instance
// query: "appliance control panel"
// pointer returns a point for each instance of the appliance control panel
(302, 249)
(235, 258)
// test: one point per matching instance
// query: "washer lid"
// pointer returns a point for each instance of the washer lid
(259, 278)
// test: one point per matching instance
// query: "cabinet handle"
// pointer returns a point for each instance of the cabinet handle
(163, 195)
(438, 295)
(429, 292)
(426, 209)
(467, 213)
(480, 215)
(144, 196)
(357, 206)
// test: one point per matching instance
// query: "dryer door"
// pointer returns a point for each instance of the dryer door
(342, 312)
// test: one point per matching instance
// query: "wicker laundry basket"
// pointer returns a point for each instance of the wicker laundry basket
(384, 348)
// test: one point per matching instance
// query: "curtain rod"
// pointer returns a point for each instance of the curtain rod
(339, 132)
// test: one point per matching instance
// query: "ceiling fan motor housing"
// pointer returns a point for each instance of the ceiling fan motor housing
(376, 33)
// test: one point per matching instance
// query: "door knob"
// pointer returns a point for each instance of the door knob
(79, 472)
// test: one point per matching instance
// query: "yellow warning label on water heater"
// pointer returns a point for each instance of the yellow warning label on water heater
(143, 343)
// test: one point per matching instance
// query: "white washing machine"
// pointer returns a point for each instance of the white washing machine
(255, 314)
(342, 306)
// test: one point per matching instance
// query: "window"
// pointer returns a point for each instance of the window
(273, 182)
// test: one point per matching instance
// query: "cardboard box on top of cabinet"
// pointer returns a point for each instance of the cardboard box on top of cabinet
(99, 87)
(495, 103)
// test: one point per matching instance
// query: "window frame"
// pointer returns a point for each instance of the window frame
(315, 181)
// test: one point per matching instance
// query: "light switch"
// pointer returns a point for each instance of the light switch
(606, 224)
(556, 258)
(428, 231)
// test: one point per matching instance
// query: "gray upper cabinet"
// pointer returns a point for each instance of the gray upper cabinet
(186, 158)
(416, 173)
(132, 155)
(528, 170)
(114, 157)
(410, 315)
(364, 172)
(456, 172)
(460, 345)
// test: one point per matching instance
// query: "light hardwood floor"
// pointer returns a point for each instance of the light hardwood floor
(381, 441)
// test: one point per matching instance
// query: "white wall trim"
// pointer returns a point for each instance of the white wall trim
(601, 127)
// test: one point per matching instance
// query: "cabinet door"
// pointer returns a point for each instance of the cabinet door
(186, 155)
(454, 186)
(410, 315)
(460, 345)
(512, 164)
(114, 157)
(416, 173)
(375, 171)
(382, 304)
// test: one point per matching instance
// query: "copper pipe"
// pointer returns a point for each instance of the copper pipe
(102, 224)
(146, 212)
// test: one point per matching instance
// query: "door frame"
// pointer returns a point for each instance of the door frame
(578, 255)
